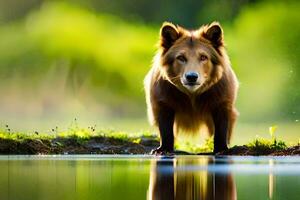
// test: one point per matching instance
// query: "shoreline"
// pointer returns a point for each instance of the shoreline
(111, 145)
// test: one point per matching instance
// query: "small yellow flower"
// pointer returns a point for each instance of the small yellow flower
(272, 130)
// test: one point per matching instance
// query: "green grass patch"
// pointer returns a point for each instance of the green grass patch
(207, 146)
(263, 144)
(74, 131)
(81, 135)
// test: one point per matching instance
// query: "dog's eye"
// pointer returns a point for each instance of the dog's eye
(203, 57)
(181, 59)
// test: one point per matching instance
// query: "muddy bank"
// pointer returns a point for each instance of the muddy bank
(107, 145)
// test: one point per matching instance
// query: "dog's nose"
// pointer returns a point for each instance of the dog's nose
(191, 77)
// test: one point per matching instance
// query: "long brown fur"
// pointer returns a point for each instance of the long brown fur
(217, 92)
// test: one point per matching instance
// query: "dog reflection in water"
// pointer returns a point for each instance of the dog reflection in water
(182, 179)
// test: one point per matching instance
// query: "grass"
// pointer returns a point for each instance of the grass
(263, 144)
(83, 135)
(76, 140)
(207, 146)
(76, 132)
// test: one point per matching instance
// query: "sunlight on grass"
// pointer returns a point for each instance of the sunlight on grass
(82, 135)
(262, 144)
(78, 133)
(207, 146)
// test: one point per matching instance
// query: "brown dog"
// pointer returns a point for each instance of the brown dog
(191, 83)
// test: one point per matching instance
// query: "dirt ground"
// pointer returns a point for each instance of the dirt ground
(246, 151)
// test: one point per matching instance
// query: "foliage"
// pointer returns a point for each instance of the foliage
(69, 51)
(262, 144)
(264, 48)
(63, 57)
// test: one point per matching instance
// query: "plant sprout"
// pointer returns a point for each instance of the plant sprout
(272, 130)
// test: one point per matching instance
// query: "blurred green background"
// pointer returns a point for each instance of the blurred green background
(87, 59)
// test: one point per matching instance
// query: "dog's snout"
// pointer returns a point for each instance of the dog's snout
(191, 77)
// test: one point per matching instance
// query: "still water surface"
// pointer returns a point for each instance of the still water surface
(147, 177)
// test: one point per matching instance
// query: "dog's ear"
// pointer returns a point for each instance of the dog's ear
(169, 33)
(214, 33)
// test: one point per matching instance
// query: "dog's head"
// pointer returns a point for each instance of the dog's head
(192, 60)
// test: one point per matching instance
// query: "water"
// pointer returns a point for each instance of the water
(147, 177)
